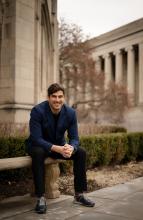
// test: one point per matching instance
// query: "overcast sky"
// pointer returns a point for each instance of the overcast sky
(100, 16)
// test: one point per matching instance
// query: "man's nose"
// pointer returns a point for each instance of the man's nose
(57, 99)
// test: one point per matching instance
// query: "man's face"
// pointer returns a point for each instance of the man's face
(56, 100)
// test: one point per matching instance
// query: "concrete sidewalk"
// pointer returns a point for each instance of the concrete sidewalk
(120, 202)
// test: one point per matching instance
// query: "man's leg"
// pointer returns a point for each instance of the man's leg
(38, 169)
(80, 181)
(38, 156)
(79, 169)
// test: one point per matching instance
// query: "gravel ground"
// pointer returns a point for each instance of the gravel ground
(104, 177)
(97, 178)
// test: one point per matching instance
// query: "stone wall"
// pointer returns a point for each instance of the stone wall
(28, 55)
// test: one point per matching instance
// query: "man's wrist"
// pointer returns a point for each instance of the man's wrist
(55, 148)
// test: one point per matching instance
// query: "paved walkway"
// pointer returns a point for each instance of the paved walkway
(120, 202)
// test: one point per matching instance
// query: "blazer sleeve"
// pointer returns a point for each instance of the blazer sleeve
(36, 130)
(73, 132)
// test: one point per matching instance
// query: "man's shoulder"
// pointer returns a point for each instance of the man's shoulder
(40, 107)
(69, 110)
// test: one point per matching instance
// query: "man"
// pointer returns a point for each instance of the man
(48, 123)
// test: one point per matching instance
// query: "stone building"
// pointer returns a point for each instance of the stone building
(119, 54)
(28, 55)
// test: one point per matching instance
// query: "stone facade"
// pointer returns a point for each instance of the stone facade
(119, 54)
(28, 55)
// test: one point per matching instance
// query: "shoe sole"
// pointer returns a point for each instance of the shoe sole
(79, 203)
(41, 212)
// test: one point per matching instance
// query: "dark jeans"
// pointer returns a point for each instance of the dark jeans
(38, 155)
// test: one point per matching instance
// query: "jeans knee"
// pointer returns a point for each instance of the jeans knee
(80, 151)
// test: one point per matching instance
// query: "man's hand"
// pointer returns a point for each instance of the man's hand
(66, 150)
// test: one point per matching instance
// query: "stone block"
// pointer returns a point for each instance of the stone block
(25, 31)
(10, 9)
(5, 73)
(6, 94)
(24, 57)
(24, 94)
(22, 115)
(25, 12)
(30, 3)
(7, 115)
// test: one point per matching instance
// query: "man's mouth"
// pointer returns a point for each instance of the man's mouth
(57, 104)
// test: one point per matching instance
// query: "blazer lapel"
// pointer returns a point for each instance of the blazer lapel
(50, 119)
(61, 120)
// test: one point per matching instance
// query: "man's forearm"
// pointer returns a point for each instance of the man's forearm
(56, 148)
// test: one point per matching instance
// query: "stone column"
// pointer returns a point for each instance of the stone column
(118, 67)
(56, 44)
(141, 73)
(108, 70)
(17, 61)
(131, 70)
(7, 59)
(98, 64)
(22, 56)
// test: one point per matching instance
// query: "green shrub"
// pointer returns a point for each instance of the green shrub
(13, 147)
(140, 153)
(103, 149)
(134, 145)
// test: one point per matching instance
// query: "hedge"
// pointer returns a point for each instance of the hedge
(103, 149)
(13, 147)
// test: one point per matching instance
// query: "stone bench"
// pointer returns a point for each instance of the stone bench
(52, 172)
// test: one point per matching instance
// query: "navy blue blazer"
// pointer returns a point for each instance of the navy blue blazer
(42, 130)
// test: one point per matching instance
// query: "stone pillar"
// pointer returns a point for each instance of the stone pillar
(98, 64)
(108, 70)
(118, 67)
(46, 47)
(26, 69)
(17, 61)
(52, 173)
(131, 70)
(7, 58)
(141, 73)
(24, 55)
(56, 43)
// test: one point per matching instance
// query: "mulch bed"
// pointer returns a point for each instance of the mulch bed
(15, 188)
(97, 178)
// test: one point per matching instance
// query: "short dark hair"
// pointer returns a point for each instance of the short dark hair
(55, 87)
